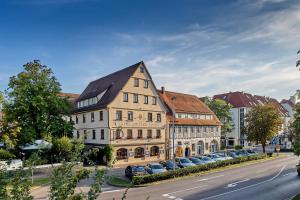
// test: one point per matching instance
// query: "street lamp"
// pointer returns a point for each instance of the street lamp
(173, 139)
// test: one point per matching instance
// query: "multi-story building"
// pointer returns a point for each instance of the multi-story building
(242, 103)
(123, 109)
(289, 106)
(197, 129)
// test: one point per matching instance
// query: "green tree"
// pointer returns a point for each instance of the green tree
(222, 111)
(34, 104)
(262, 124)
(62, 147)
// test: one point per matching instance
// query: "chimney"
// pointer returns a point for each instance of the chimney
(163, 90)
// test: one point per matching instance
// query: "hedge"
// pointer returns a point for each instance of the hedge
(149, 178)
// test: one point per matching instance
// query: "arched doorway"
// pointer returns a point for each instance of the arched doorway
(139, 152)
(179, 152)
(154, 151)
(187, 152)
(122, 154)
(200, 147)
(214, 146)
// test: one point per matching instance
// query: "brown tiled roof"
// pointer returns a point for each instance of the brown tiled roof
(289, 102)
(112, 84)
(186, 103)
(70, 96)
(243, 99)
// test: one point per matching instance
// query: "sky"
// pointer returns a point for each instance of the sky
(201, 47)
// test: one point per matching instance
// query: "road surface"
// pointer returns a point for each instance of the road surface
(275, 179)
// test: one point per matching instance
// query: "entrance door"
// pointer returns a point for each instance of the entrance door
(200, 147)
(187, 152)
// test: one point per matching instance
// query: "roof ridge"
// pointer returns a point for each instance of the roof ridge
(123, 69)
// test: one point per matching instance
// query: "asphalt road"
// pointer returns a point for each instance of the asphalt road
(275, 180)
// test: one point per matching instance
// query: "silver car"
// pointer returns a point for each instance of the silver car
(184, 162)
(155, 168)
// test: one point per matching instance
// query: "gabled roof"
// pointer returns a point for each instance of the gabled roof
(71, 97)
(111, 84)
(186, 103)
(243, 99)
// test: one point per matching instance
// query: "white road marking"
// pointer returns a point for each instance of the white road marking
(172, 197)
(112, 191)
(178, 199)
(206, 179)
(165, 195)
(188, 189)
(286, 174)
(235, 183)
(249, 186)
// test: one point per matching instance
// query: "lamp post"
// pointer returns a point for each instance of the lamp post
(173, 135)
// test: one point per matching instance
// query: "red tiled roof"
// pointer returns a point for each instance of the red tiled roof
(243, 99)
(70, 96)
(186, 103)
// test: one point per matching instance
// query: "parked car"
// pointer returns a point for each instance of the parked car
(184, 162)
(225, 156)
(234, 154)
(216, 157)
(243, 152)
(155, 168)
(251, 152)
(136, 170)
(206, 159)
(197, 161)
(169, 165)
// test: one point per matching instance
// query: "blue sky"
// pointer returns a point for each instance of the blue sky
(199, 47)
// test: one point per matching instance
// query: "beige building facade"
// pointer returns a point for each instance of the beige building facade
(197, 130)
(123, 109)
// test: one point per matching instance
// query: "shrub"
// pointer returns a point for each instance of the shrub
(5, 155)
(62, 146)
(238, 147)
(138, 180)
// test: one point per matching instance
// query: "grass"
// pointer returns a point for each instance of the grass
(118, 182)
(40, 181)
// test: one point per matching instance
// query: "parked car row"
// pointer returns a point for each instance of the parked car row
(181, 162)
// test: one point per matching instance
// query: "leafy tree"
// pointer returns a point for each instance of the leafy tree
(262, 124)
(34, 104)
(222, 111)
(62, 147)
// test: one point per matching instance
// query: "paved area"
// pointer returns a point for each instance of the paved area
(274, 179)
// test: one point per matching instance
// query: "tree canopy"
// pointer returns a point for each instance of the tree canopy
(33, 104)
(222, 111)
(296, 129)
(262, 124)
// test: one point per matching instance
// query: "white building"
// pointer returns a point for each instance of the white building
(242, 103)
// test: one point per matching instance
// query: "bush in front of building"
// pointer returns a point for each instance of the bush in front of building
(238, 147)
(5, 155)
(138, 180)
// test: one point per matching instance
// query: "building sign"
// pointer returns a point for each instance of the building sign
(138, 124)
